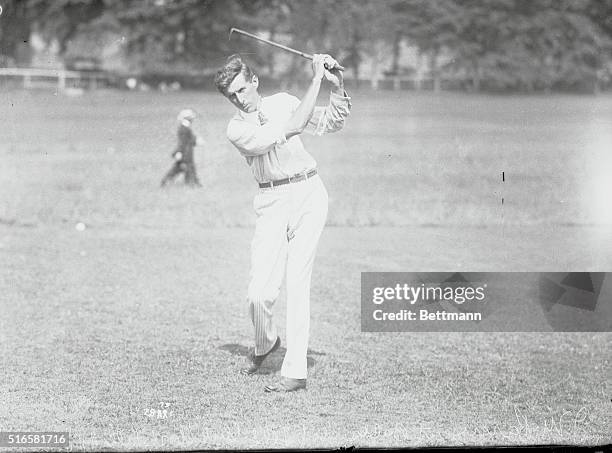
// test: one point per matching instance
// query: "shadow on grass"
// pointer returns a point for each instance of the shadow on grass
(273, 362)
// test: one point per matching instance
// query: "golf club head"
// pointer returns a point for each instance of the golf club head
(229, 38)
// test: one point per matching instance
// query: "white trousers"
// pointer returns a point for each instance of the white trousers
(289, 222)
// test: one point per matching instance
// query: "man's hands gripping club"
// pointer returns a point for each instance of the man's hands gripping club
(324, 65)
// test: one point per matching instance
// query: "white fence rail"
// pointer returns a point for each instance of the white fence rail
(63, 79)
(33, 77)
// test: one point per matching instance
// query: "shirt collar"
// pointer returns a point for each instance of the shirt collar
(253, 116)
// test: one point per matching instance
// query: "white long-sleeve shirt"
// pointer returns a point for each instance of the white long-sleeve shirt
(269, 154)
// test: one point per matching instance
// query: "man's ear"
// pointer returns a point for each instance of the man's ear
(255, 81)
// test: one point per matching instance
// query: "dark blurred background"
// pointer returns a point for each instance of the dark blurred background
(472, 45)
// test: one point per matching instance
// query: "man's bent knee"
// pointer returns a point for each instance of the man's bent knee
(257, 294)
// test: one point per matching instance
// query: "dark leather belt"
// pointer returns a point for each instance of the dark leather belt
(295, 178)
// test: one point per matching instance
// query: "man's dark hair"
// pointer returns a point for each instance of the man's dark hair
(232, 67)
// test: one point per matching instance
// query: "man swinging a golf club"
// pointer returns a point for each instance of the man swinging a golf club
(291, 205)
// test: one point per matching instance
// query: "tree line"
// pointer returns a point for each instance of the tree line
(483, 44)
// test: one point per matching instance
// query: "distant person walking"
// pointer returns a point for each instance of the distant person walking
(291, 205)
(183, 154)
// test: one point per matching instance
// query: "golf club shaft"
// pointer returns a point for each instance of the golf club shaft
(275, 44)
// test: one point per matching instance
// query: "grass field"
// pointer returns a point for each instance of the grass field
(130, 334)
(424, 160)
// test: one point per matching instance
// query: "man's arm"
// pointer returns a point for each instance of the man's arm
(301, 116)
(331, 118)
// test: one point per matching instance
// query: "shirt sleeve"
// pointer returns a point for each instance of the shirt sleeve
(331, 118)
(254, 140)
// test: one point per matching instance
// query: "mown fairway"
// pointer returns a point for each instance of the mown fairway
(102, 330)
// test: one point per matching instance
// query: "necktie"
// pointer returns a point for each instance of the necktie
(262, 118)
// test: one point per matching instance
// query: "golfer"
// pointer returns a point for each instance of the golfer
(291, 205)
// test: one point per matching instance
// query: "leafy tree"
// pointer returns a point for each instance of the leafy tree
(15, 27)
(432, 25)
(509, 43)
(558, 44)
(501, 44)
(63, 19)
(181, 33)
(364, 28)
(350, 30)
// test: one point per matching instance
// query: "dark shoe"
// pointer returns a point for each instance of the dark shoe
(286, 385)
(257, 360)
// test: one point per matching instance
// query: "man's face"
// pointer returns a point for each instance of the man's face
(243, 93)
